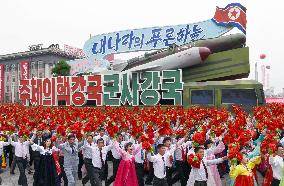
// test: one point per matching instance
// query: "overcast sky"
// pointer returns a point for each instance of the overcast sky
(27, 22)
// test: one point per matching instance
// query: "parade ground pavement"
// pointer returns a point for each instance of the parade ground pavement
(12, 180)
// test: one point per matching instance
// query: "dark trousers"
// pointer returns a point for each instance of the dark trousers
(81, 162)
(11, 155)
(115, 168)
(98, 174)
(62, 175)
(22, 164)
(140, 173)
(200, 183)
(105, 171)
(13, 164)
(150, 176)
(275, 182)
(182, 174)
(159, 182)
(169, 174)
(90, 172)
(36, 160)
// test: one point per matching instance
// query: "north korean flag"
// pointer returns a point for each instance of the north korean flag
(233, 15)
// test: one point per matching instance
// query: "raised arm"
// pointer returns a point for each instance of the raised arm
(120, 151)
(13, 143)
(109, 146)
(5, 143)
(174, 147)
(219, 148)
(151, 157)
(59, 146)
(137, 149)
(253, 162)
(81, 143)
(36, 147)
(213, 162)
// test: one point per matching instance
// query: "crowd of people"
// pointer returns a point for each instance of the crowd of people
(157, 146)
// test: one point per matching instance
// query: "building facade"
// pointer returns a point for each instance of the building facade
(39, 62)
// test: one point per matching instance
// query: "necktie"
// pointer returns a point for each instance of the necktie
(205, 168)
(142, 155)
(183, 154)
(72, 148)
(101, 156)
(164, 165)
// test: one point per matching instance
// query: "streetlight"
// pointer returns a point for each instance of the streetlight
(262, 56)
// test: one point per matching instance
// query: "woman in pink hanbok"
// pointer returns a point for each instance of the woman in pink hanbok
(211, 150)
(126, 173)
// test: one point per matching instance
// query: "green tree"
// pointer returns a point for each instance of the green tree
(61, 69)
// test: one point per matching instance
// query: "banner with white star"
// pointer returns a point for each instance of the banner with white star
(233, 15)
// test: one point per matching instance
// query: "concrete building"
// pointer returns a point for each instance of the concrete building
(40, 62)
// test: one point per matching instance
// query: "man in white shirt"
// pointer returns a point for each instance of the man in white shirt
(99, 154)
(21, 154)
(182, 168)
(159, 165)
(102, 135)
(277, 165)
(170, 149)
(87, 154)
(139, 162)
(199, 176)
(116, 158)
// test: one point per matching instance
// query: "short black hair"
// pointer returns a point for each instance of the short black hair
(278, 145)
(127, 145)
(119, 134)
(160, 146)
(196, 149)
(91, 135)
(167, 139)
(207, 142)
(101, 129)
(99, 140)
(71, 136)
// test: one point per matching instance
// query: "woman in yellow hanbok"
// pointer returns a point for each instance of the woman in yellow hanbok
(242, 172)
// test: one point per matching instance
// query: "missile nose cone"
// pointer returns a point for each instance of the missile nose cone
(204, 53)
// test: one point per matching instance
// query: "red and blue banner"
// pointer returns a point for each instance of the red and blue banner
(233, 15)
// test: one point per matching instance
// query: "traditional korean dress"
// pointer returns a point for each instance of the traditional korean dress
(243, 174)
(47, 174)
(210, 155)
(126, 173)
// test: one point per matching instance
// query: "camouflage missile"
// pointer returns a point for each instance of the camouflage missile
(215, 45)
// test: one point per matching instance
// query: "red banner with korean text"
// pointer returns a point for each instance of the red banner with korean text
(1, 83)
(24, 69)
(74, 90)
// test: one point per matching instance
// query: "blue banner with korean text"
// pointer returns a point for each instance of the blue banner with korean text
(151, 38)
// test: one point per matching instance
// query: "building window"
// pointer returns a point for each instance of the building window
(33, 70)
(202, 97)
(40, 69)
(239, 96)
(7, 68)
